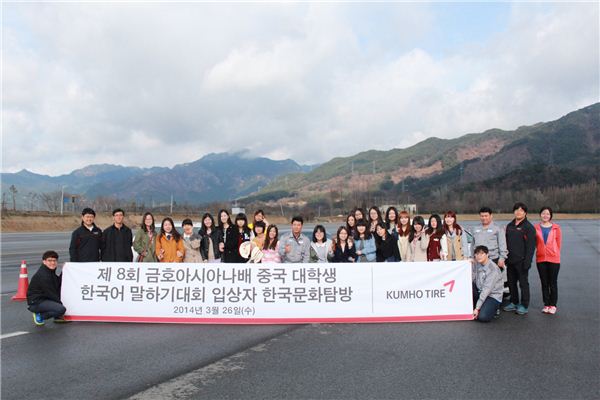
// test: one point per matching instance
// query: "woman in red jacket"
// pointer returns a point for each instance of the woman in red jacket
(548, 242)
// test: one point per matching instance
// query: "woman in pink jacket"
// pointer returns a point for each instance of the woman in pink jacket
(548, 242)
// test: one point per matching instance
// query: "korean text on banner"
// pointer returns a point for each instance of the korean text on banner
(267, 293)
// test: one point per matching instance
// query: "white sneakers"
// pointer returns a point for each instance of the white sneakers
(549, 310)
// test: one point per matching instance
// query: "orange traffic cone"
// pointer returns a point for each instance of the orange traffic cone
(23, 284)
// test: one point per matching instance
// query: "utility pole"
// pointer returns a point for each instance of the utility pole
(171, 203)
(62, 198)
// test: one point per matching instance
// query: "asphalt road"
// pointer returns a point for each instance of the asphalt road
(517, 357)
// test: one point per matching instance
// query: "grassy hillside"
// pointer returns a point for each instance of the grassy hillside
(568, 146)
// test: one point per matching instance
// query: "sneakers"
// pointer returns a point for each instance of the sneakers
(510, 307)
(552, 310)
(521, 309)
(38, 319)
(546, 310)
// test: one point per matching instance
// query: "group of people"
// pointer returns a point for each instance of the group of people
(499, 255)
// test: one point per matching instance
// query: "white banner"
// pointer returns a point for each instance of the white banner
(267, 293)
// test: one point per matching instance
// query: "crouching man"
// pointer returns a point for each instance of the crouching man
(43, 295)
(488, 286)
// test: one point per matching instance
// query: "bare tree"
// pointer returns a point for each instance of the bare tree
(14, 191)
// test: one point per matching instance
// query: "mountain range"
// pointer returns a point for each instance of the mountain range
(560, 153)
(556, 153)
(214, 177)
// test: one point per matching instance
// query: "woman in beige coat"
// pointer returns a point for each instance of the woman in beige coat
(403, 230)
(418, 240)
(191, 242)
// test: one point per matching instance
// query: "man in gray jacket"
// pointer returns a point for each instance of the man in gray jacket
(295, 247)
(490, 235)
(487, 286)
(493, 237)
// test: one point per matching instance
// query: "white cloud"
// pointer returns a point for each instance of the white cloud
(162, 84)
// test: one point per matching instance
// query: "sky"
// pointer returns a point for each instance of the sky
(159, 84)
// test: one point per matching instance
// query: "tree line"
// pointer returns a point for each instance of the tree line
(576, 198)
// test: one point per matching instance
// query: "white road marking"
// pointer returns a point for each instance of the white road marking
(7, 335)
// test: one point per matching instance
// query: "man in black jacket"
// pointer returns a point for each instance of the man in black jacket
(116, 240)
(520, 241)
(43, 294)
(86, 241)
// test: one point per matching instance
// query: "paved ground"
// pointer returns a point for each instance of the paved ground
(535, 356)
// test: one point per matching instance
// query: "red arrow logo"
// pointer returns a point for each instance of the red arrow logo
(451, 284)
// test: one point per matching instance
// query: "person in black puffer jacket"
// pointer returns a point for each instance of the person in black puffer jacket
(43, 294)
(520, 242)
(209, 244)
(117, 239)
(86, 241)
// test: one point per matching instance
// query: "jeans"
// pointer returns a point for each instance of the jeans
(518, 273)
(48, 309)
(549, 277)
(488, 308)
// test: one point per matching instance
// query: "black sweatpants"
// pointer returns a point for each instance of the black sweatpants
(549, 277)
(518, 273)
(48, 309)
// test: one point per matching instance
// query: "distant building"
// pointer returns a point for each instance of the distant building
(236, 210)
(409, 208)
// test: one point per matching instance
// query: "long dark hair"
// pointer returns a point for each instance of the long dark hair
(174, 232)
(362, 212)
(259, 224)
(350, 228)
(268, 244)
(362, 222)
(242, 217)
(256, 213)
(203, 228)
(379, 219)
(153, 227)
(456, 225)
(220, 223)
(381, 225)
(387, 216)
(337, 236)
(418, 220)
(440, 228)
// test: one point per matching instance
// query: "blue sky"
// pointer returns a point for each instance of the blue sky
(303, 81)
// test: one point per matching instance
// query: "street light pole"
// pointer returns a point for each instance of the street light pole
(62, 199)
